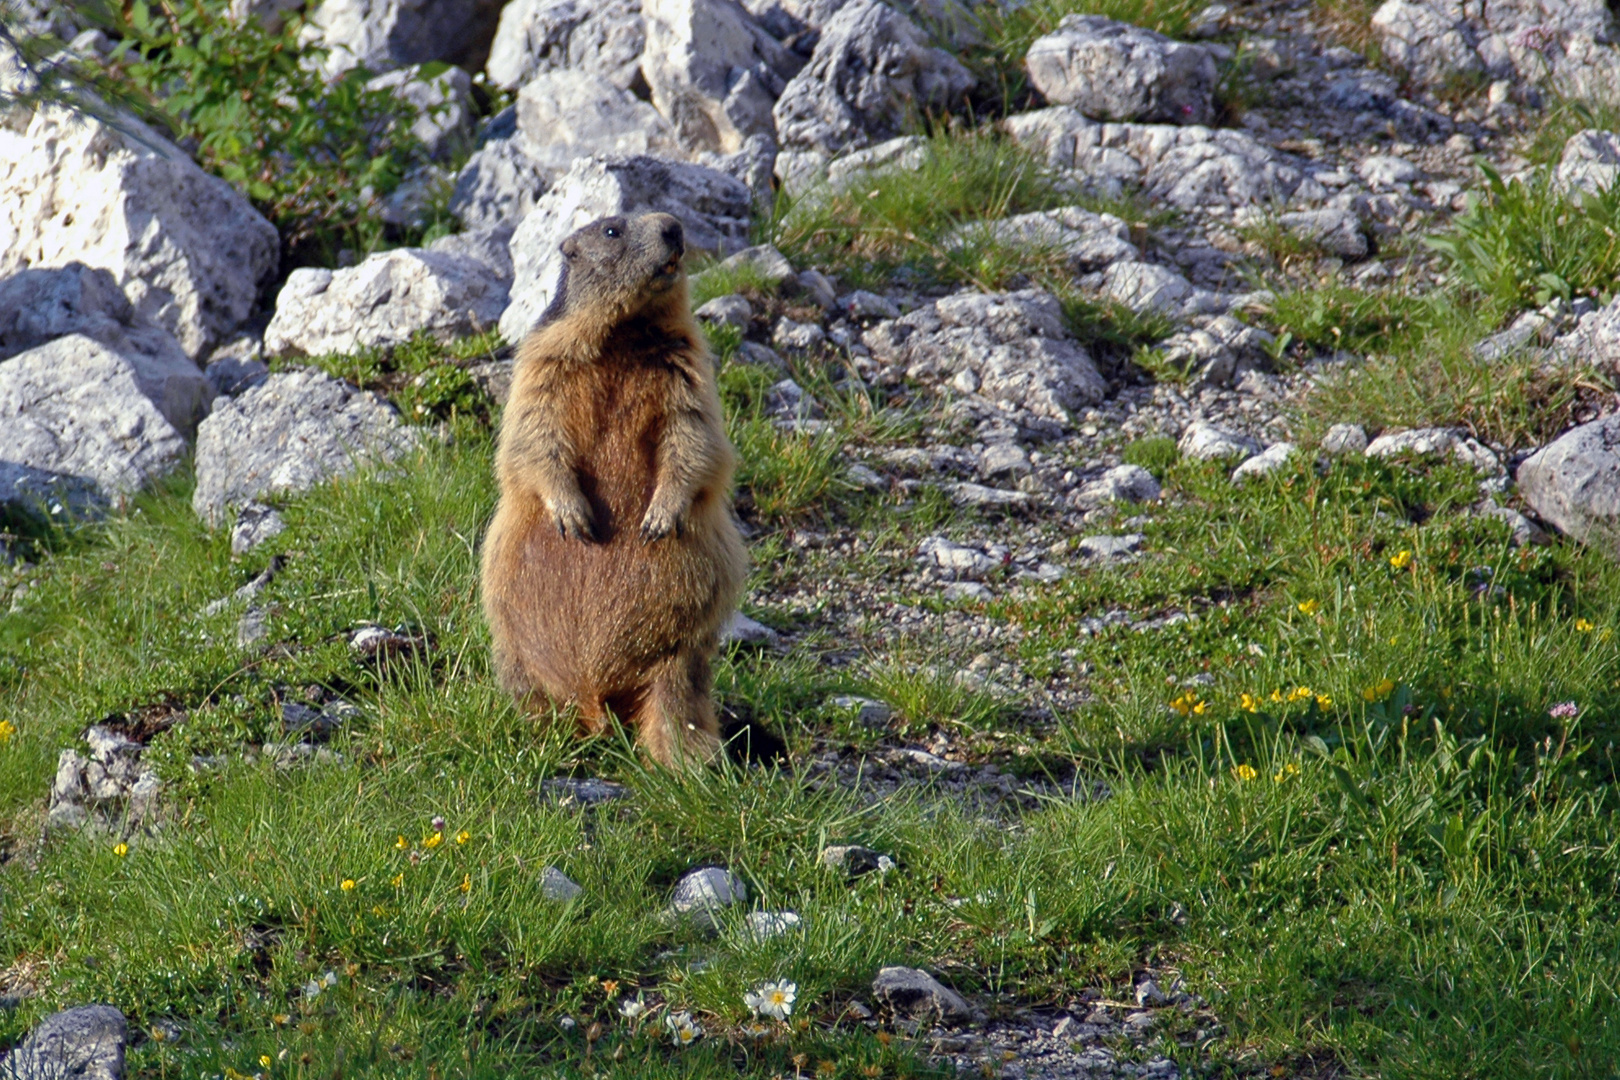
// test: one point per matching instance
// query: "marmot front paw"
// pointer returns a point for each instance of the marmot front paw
(660, 521)
(574, 520)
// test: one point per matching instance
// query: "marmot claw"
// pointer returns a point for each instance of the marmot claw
(574, 522)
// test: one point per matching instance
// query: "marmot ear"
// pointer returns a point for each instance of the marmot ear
(570, 248)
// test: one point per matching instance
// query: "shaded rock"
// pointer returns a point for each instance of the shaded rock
(294, 431)
(384, 301)
(1385, 172)
(754, 164)
(86, 1043)
(255, 523)
(489, 247)
(556, 885)
(1122, 483)
(912, 993)
(1203, 441)
(1375, 99)
(1573, 483)
(1337, 230)
(731, 309)
(40, 306)
(1089, 241)
(582, 791)
(854, 861)
(1344, 439)
(1145, 287)
(871, 69)
(604, 39)
(1004, 459)
(77, 429)
(763, 260)
(185, 247)
(1111, 547)
(566, 115)
(381, 35)
(270, 14)
(702, 894)
(713, 71)
(442, 102)
(1111, 70)
(985, 498)
(1521, 529)
(499, 185)
(790, 336)
(1590, 162)
(109, 787)
(861, 306)
(714, 209)
(869, 713)
(741, 630)
(818, 288)
(1267, 461)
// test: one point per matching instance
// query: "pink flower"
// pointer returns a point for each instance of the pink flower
(437, 823)
(1564, 710)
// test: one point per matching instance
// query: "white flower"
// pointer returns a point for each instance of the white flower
(773, 999)
(312, 990)
(330, 978)
(683, 1029)
(631, 1009)
(755, 1030)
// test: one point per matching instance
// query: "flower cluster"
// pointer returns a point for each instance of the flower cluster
(683, 1030)
(1564, 710)
(1378, 691)
(1188, 704)
(773, 999)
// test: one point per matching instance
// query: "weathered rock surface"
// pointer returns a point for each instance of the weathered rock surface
(872, 68)
(442, 103)
(1145, 287)
(915, 994)
(86, 1043)
(714, 208)
(77, 427)
(1122, 483)
(1590, 162)
(1573, 483)
(383, 301)
(110, 787)
(381, 35)
(1013, 347)
(1264, 463)
(186, 248)
(566, 115)
(603, 39)
(1203, 441)
(39, 306)
(1375, 101)
(1089, 241)
(499, 185)
(1436, 42)
(288, 434)
(1337, 230)
(713, 71)
(702, 894)
(1111, 70)
(491, 247)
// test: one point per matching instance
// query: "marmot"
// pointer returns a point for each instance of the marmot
(613, 559)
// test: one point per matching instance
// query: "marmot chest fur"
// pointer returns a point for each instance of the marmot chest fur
(613, 559)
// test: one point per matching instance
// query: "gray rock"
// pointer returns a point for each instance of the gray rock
(764, 925)
(498, 186)
(556, 885)
(566, 115)
(39, 306)
(86, 1043)
(1264, 463)
(1419, 442)
(489, 247)
(741, 630)
(1573, 483)
(1145, 287)
(442, 102)
(860, 306)
(917, 995)
(381, 35)
(857, 168)
(582, 791)
(1111, 547)
(252, 627)
(817, 287)
(1374, 97)
(1384, 172)
(731, 309)
(110, 788)
(255, 523)
(231, 372)
(714, 209)
(871, 68)
(1521, 41)
(869, 713)
(713, 71)
(1521, 530)
(1201, 355)
(535, 36)
(855, 861)
(1530, 328)
(754, 164)
(790, 336)
(1344, 439)
(270, 14)
(294, 431)
(701, 895)
(77, 429)
(1590, 162)
(960, 561)
(1004, 459)
(1090, 242)
(1203, 441)
(1336, 229)
(965, 591)
(385, 300)
(764, 261)
(1122, 483)
(1111, 70)
(185, 247)
(985, 498)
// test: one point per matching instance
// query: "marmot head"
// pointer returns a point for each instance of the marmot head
(616, 266)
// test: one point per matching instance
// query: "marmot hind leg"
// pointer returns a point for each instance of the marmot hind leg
(674, 720)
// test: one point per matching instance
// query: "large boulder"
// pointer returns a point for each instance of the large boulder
(566, 115)
(872, 71)
(500, 184)
(77, 427)
(1111, 70)
(1590, 163)
(1010, 349)
(1574, 483)
(535, 36)
(381, 35)
(287, 434)
(39, 306)
(186, 248)
(714, 71)
(713, 207)
(383, 301)
(86, 1043)
(1434, 42)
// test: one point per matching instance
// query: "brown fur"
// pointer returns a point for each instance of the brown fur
(613, 559)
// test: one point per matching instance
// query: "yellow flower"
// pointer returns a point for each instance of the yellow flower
(1289, 769)
(1584, 626)
(1249, 703)
(398, 880)
(466, 883)
(264, 1061)
(433, 840)
(1276, 696)
(1244, 772)
(400, 844)
(7, 730)
(1401, 559)
(1189, 705)
(280, 1019)
(1310, 607)
(610, 987)
(120, 850)
(463, 836)
(378, 910)
(348, 885)
(1324, 701)
(1299, 693)
(1379, 692)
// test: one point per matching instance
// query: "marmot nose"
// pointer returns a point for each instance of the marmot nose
(675, 237)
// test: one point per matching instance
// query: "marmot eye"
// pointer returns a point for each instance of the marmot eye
(611, 232)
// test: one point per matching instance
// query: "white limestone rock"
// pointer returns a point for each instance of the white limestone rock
(1111, 70)
(603, 39)
(566, 115)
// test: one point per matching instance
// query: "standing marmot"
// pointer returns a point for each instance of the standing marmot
(613, 559)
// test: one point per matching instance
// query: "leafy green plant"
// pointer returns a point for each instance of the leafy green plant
(314, 156)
